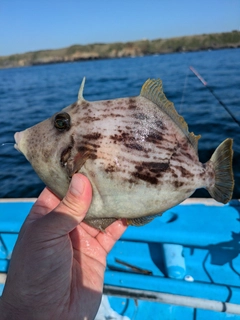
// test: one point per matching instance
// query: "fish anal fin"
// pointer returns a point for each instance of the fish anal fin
(153, 91)
(99, 223)
(138, 222)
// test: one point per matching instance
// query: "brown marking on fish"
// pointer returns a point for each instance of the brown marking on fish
(160, 124)
(74, 108)
(202, 173)
(156, 167)
(211, 174)
(184, 172)
(74, 105)
(136, 123)
(107, 104)
(85, 105)
(46, 154)
(92, 156)
(114, 115)
(207, 172)
(110, 168)
(93, 145)
(83, 149)
(145, 177)
(93, 136)
(120, 137)
(91, 173)
(119, 106)
(88, 120)
(146, 154)
(140, 116)
(173, 173)
(178, 184)
(188, 155)
(116, 138)
(132, 103)
(135, 146)
(154, 136)
(184, 145)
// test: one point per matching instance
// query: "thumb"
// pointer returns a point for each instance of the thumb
(73, 208)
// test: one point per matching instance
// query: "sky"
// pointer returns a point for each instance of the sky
(30, 25)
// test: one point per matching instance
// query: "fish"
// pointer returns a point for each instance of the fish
(137, 153)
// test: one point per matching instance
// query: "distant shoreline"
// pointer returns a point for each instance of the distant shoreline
(140, 48)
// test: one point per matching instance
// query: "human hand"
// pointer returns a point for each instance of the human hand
(58, 263)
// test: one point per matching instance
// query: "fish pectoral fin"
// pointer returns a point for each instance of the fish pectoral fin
(138, 222)
(76, 163)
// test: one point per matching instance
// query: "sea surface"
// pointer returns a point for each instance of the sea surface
(29, 95)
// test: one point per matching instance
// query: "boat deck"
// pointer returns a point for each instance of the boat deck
(183, 265)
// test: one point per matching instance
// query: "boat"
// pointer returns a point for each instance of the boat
(182, 265)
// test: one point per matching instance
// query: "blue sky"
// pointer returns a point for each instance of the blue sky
(29, 25)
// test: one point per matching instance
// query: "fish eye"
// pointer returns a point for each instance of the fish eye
(62, 121)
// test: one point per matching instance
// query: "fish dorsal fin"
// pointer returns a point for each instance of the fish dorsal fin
(152, 90)
(80, 92)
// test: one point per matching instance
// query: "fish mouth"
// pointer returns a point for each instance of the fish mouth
(16, 147)
(17, 137)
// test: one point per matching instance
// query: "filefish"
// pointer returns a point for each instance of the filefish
(137, 153)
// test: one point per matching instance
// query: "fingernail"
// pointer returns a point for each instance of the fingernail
(77, 185)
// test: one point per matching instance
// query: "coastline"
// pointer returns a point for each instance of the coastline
(143, 47)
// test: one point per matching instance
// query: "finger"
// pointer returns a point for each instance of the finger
(72, 209)
(112, 234)
(45, 203)
(82, 237)
(93, 232)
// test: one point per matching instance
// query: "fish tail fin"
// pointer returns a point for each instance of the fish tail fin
(224, 181)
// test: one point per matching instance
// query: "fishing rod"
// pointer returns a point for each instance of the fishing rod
(214, 94)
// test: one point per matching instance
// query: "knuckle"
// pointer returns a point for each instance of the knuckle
(71, 205)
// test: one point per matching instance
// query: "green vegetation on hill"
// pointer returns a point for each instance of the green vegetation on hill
(128, 49)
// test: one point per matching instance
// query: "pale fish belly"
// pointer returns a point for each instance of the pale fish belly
(116, 197)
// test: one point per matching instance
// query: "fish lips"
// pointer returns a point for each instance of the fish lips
(17, 137)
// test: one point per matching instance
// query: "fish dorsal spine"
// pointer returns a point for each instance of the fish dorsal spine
(153, 91)
(80, 92)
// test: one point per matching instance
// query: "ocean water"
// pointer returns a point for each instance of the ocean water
(31, 94)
